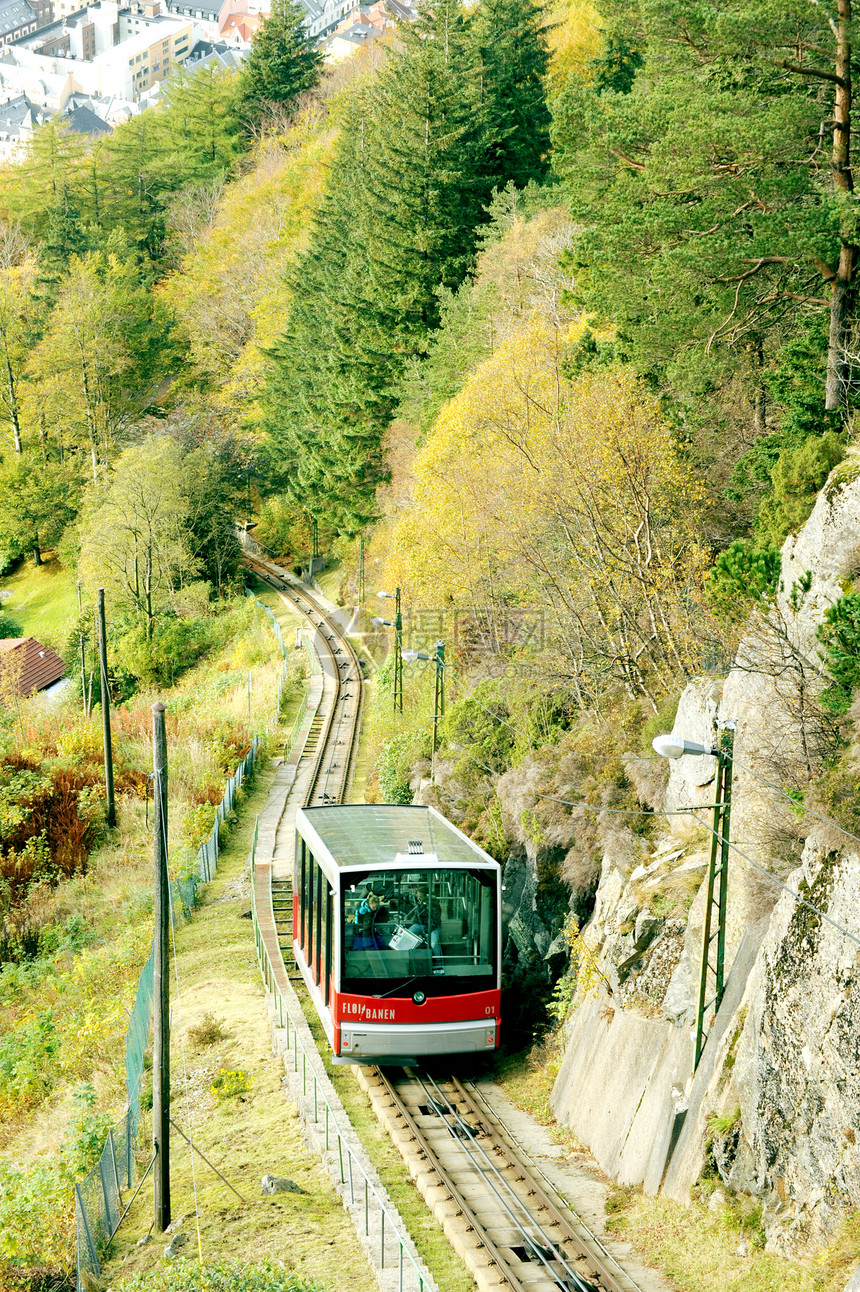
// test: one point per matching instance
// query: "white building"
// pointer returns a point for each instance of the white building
(104, 50)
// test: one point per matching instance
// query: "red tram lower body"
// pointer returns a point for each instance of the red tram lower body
(365, 1028)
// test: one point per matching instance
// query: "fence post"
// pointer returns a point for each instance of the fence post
(115, 1171)
(82, 1212)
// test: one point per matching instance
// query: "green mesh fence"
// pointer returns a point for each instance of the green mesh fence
(98, 1197)
(136, 1038)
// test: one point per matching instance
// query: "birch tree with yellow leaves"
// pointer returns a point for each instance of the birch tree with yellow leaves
(569, 492)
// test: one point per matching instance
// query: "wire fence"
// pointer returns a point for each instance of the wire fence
(372, 1213)
(98, 1197)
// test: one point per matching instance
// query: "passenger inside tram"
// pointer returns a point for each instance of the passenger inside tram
(406, 924)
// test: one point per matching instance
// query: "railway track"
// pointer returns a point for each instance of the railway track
(504, 1219)
(338, 717)
(501, 1215)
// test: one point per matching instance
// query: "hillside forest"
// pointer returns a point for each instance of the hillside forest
(545, 315)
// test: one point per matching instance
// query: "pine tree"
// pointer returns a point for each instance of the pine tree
(65, 236)
(514, 60)
(424, 189)
(398, 224)
(199, 124)
(715, 195)
(50, 173)
(398, 229)
(283, 61)
(326, 400)
(137, 178)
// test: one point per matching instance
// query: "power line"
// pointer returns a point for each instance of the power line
(798, 897)
(796, 803)
(596, 807)
(697, 808)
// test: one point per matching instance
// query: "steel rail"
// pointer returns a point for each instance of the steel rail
(524, 1176)
(547, 1190)
(542, 1247)
(464, 1207)
(328, 633)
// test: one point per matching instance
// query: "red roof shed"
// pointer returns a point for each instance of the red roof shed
(27, 666)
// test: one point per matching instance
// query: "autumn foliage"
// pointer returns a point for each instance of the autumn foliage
(538, 487)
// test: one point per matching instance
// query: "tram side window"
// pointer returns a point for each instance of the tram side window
(302, 881)
(320, 888)
(328, 949)
(311, 871)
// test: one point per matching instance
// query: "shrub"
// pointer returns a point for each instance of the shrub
(229, 743)
(37, 1219)
(798, 474)
(19, 942)
(197, 824)
(481, 723)
(82, 742)
(175, 645)
(394, 768)
(49, 820)
(27, 1060)
(10, 627)
(209, 1031)
(230, 1084)
(840, 636)
(741, 575)
(86, 1135)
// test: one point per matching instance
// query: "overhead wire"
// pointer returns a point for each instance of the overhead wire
(797, 803)
(594, 807)
(785, 887)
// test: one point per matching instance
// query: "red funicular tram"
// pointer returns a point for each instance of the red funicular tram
(397, 932)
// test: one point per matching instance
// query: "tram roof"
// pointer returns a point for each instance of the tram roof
(372, 834)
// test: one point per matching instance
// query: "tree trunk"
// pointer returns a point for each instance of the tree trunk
(840, 319)
(843, 180)
(760, 397)
(12, 398)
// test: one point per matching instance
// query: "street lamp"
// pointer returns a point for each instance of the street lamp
(675, 746)
(398, 644)
(439, 693)
(718, 874)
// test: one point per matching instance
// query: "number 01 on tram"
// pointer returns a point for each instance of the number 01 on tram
(397, 932)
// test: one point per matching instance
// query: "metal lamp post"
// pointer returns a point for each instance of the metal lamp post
(714, 935)
(439, 692)
(398, 646)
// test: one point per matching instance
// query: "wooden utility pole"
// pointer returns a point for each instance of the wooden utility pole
(398, 654)
(111, 802)
(160, 979)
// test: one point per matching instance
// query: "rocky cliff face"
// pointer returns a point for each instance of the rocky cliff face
(777, 1094)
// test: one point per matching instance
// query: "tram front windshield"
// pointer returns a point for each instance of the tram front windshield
(399, 925)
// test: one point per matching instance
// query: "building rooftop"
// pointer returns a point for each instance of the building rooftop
(372, 834)
(28, 665)
(207, 51)
(15, 14)
(83, 121)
